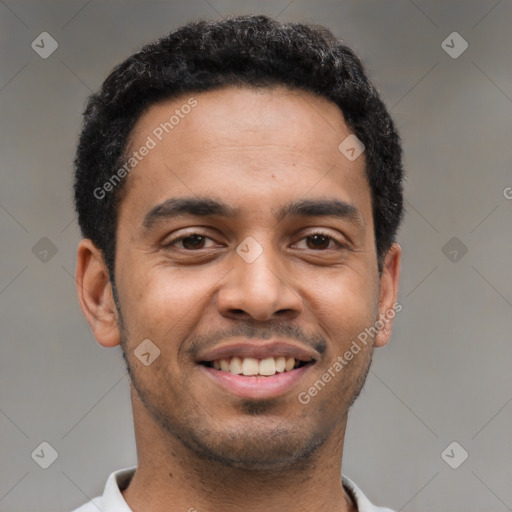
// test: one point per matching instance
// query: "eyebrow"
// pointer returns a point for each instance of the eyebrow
(209, 207)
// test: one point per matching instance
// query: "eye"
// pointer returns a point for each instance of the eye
(190, 242)
(195, 241)
(321, 241)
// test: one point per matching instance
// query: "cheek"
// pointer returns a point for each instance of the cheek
(162, 304)
(344, 302)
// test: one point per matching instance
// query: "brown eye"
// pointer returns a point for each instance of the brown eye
(319, 241)
(192, 242)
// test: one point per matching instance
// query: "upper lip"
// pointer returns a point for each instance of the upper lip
(258, 350)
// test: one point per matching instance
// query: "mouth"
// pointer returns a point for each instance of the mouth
(258, 370)
(253, 367)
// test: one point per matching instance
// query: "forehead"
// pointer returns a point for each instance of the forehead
(254, 119)
(250, 140)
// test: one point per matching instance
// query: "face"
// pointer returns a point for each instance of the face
(246, 254)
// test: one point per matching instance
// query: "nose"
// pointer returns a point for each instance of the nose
(261, 289)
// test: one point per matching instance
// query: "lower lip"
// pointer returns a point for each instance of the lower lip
(257, 387)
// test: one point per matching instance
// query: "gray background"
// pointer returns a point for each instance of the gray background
(445, 375)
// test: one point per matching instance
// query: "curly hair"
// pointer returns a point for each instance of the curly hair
(252, 51)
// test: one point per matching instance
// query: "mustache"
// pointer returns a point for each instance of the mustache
(272, 329)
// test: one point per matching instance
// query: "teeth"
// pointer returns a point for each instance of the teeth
(251, 366)
(267, 366)
(235, 366)
(280, 364)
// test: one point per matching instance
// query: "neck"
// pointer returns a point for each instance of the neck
(169, 475)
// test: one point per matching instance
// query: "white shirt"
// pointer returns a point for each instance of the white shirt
(113, 501)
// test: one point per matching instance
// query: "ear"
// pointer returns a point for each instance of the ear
(95, 294)
(388, 294)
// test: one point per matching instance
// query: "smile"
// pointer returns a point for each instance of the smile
(257, 369)
(250, 366)
(257, 379)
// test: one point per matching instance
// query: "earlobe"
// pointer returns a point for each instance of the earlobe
(388, 294)
(95, 294)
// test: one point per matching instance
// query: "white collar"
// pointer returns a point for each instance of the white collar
(113, 500)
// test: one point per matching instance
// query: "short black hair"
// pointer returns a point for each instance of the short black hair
(250, 51)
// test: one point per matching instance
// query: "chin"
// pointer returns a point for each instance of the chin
(255, 447)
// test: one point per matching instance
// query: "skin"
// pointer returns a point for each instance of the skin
(200, 446)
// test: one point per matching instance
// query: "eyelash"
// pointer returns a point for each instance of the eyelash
(339, 245)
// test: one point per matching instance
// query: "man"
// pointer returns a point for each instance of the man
(239, 189)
